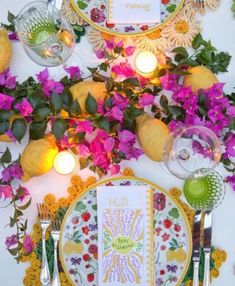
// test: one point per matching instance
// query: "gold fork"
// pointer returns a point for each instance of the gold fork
(55, 233)
(45, 220)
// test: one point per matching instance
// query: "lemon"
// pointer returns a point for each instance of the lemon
(152, 134)
(5, 50)
(37, 157)
(80, 92)
(200, 77)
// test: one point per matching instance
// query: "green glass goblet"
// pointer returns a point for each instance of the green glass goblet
(205, 193)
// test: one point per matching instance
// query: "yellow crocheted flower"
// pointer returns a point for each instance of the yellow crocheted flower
(223, 255)
(188, 283)
(214, 273)
(76, 180)
(49, 199)
(128, 172)
(91, 181)
(181, 30)
(63, 202)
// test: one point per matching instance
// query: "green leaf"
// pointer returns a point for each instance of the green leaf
(82, 5)
(180, 50)
(171, 8)
(11, 17)
(37, 99)
(6, 157)
(133, 81)
(67, 98)
(197, 41)
(4, 126)
(164, 101)
(91, 104)
(17, 213)
(93, 70)
(176, 110)
(41, 113)
(174, 213)
(104, 67)
(59, 127)
(188, 62)
(25, 206)
(19, 128)
(83, 163)
(80, 206)
(56, 103)
(103, 123)
(37, 129)
(132, 112)
(5, 114)
(75, 108)
(13, 251)
(232, 124)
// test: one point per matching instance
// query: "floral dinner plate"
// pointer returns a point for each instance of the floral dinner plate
(79, 237)
(95, 13)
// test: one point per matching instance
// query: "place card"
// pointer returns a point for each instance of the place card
(134, 11)
(125, 236)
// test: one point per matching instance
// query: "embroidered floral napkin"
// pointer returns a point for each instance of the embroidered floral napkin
(134, 11)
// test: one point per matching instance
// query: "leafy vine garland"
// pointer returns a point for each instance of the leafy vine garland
(103, 131)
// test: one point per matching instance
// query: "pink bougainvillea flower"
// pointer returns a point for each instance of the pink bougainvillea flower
(28, 244)
(215, 114)
(64, 142)
(11, 241)
(146, 99)
(22, 192)
(83, 150)
(13, 171)
(25, 108)
(102, 161)
(7, 80)
(126, 136)
(85, 126)
(120, 101)
(52, 86)
(216, 90)
(169, 82)
(12, 36)
(109, 144)
(129, 50)
(115, 169)
(116, 113)
(5, 101)
(43, 76)
(231, 181)
(179, 95)
(100, 108)
(100, 54)
(230, 145)
(97, 15)
(123, 69)
(6, 191)
(74, 72)
(109, 44)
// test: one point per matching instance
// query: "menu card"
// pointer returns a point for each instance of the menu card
(125, 236)
(134, 11)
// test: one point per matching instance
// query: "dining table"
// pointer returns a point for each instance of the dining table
(219, 27)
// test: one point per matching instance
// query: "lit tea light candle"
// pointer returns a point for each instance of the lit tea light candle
(146, 63)
(64, 163)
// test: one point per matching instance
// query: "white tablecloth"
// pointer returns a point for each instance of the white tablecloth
(219, 26)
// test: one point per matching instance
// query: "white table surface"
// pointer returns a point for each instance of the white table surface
(219, 26)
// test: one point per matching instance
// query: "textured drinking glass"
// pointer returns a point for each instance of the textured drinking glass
(191, 152)
(45, 34)
(205, 193)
